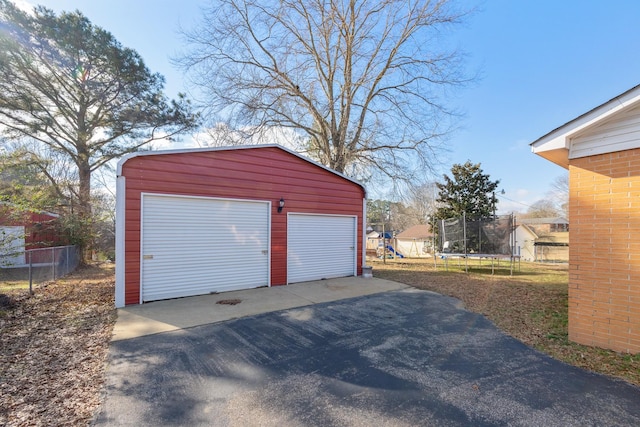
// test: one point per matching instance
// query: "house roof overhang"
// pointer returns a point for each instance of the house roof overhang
(557, 146)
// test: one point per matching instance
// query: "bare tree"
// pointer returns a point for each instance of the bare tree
(363, 80)
(422, 201)
(542, 209)
(560, 193)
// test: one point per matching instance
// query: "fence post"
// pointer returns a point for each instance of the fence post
(53, 263)
(30, 274)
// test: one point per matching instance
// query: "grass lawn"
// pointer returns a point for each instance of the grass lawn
(530, 305)
(13, 286)
(12, 280)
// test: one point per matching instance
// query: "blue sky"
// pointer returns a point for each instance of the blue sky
(541, 62)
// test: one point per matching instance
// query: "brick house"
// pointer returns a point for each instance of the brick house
(601, 150)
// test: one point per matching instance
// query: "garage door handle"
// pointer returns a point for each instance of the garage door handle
(147, 257)
(265, 252)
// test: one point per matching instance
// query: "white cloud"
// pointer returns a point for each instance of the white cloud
(161, 144)
(24, 6)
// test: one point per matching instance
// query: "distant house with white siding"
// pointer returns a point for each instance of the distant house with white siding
(415, 242)
(543, 239)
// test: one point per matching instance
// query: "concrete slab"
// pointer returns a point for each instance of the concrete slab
(170, 315)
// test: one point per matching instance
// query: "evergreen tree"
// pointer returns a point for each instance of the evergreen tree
(468, 191)
(74, 89)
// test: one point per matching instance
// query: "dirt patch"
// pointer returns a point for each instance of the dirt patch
(233, 301)
(53, 349)
(7, 302)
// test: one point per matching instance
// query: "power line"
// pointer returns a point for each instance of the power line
(514, 201)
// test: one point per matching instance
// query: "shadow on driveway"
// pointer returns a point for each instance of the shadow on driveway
(403, 358)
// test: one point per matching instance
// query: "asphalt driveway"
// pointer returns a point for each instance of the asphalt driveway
(401, 358)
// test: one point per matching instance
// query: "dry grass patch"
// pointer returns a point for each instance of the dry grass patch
(530, 305)
(53, 347)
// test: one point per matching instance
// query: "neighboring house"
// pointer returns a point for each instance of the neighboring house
(543, 239)
(372, 239)
(20, 231)
(601, 150)
(416, 241)
(546, 225)
(377, 240)
(193, 222)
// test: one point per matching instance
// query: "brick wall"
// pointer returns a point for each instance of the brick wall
(604, 256)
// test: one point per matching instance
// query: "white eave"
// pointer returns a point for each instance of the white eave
(558, 146)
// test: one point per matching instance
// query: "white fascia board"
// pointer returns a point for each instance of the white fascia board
(555, 143)
(364, 232)
(560, 138)
(120, 241)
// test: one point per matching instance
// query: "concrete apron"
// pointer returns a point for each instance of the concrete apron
(170, 315)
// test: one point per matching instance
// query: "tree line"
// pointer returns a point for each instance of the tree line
(466, 190)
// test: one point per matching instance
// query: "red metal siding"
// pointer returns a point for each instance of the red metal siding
(260, 173)
(41, 229)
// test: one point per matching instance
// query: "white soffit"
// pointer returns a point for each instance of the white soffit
(557, 145)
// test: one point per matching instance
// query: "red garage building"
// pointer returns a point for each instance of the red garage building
(25, 230)
(193, 222)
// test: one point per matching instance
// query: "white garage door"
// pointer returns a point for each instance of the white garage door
(320, 247)
(195, 246)
(12, 246)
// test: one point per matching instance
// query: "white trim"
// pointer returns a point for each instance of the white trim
(191, 196)
(364, 233)
(121, 189)
(188, 196)
(561, 137)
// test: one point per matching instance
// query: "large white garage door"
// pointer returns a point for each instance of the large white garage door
(320, 247)
(195, 246)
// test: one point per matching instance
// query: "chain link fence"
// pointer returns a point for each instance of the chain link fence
(490, 236)
(39, 265)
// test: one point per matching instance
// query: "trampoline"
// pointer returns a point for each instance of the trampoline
(487, 238)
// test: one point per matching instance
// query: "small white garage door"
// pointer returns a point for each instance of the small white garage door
(12, 246)
(196, 245)
(320, 247)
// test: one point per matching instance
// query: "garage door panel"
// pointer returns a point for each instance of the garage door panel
(320, 247)
(195, 246)
(12, 251)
